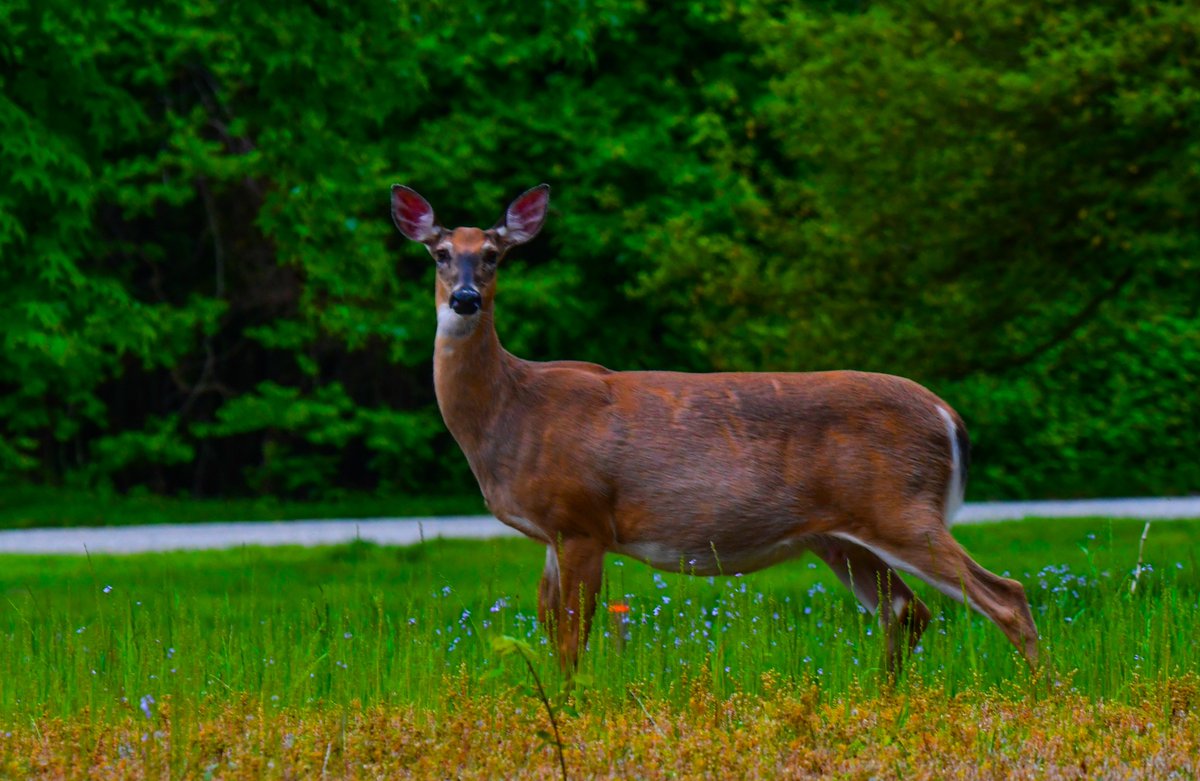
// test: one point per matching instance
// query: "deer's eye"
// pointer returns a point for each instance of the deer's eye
(489, 257)
(442, 256)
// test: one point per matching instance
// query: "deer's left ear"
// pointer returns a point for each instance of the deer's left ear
(525, 216)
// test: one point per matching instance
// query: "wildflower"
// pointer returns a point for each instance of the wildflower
(145, 703)
(618, 607)
(499, 605)
(348, 635)
(108, 589)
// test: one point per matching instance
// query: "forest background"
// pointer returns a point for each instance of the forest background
(202, 294)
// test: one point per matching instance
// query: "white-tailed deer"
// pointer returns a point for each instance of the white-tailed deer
(704, 472)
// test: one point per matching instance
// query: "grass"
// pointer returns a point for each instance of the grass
(27, 506)
(377, 660)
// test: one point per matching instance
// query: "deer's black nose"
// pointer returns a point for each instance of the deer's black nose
(465, 301)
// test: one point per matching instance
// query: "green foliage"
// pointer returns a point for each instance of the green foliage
(201, 291)
(997, 199)
(30, 506)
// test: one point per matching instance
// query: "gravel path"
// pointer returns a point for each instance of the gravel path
(406, 531)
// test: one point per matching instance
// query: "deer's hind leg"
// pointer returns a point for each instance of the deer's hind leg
(930, 552)
(903, 616)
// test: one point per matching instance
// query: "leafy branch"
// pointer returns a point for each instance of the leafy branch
(505, 646)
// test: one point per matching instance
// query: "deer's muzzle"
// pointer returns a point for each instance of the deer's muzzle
(465, 301)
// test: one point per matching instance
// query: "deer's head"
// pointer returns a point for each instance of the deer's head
(467, 257)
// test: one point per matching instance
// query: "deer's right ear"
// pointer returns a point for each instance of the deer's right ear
(413, 215)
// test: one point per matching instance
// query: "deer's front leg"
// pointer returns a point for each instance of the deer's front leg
(567, 596)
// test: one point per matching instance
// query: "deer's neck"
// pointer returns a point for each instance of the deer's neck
(472, 376)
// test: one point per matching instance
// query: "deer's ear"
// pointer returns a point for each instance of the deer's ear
(525, 216)
(413, 215)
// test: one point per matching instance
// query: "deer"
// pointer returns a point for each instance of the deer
(706, 473)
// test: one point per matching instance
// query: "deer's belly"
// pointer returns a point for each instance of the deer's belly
(726, 558)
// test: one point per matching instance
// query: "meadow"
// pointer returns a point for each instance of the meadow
(366, 661)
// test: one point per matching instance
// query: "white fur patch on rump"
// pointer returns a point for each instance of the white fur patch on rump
(955, 486)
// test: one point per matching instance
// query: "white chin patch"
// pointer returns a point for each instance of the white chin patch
(452, 324)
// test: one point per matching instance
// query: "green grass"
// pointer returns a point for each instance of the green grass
(25, 507)
(367, 625)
